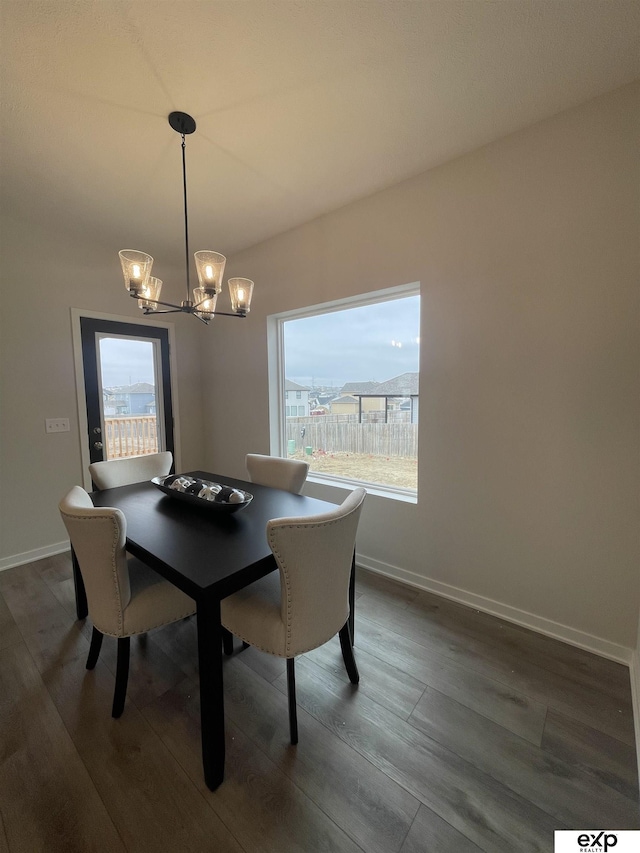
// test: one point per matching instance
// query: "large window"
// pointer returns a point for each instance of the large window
(358, 362)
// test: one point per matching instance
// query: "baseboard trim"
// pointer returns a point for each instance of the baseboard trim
(597, 645)
(32, 556)
(634, 672)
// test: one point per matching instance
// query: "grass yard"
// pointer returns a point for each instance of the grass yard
(397, 471)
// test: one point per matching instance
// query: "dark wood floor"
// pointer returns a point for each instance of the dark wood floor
(466, 733)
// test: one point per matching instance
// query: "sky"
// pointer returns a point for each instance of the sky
(371, 342)
(125, 362)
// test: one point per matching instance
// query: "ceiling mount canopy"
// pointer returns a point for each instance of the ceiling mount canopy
(141, 285)
(182, 123)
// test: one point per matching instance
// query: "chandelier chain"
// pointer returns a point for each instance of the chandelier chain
(186, 216)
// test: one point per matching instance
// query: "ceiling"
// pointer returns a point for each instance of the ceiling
(301, 106)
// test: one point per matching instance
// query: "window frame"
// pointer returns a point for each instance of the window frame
(276, 381)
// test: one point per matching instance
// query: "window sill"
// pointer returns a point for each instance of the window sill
(402, 495)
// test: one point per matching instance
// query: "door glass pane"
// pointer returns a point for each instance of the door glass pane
(128, 371)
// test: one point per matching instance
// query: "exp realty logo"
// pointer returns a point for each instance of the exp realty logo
(591, 843)
(596, 841)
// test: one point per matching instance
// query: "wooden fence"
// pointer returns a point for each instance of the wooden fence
(333, 435)
(136, 435)
(131, 435)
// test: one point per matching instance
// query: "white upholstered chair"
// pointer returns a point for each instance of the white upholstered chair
(124, 472)
(306, 602)
(109, 475)
(286, 474)
(121, 604)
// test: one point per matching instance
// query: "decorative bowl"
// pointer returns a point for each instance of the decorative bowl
(203, 493)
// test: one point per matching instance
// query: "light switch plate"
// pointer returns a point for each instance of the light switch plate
(57, 424)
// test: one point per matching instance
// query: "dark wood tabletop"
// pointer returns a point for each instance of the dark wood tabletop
(201, 549)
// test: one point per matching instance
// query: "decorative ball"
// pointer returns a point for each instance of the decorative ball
(194, 488)
(181, 484)
(208, 491)
(227, 495)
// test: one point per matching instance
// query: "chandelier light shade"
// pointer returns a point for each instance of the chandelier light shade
(136, 268)
(150, 294)
(241, 291)
(210, 269)
(205, 302)
(140, 284)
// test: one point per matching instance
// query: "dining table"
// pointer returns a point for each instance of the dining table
(208, 553)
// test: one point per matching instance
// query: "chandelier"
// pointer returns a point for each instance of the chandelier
(141, 285)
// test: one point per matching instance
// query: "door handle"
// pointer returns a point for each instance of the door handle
(98, 445)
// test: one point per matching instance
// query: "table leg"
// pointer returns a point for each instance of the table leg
(211, 696)
(78, 584)
(352, 599)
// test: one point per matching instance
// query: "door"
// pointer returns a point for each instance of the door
(127, 384)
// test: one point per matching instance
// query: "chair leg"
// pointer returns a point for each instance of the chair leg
(347, 654)
(227, 642)
(352, 599)
(291, 693)
(94, 648)
(122, 676)
(81, 595)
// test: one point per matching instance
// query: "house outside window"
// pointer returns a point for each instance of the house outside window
(355, 364)
(302, 394)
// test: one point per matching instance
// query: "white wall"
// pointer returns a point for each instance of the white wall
(527, 252)
(44, 274)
